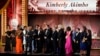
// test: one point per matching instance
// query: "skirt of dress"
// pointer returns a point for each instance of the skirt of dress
(18, 45)
(68, 45)
(83, 46)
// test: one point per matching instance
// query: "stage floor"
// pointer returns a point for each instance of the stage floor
(94, 52)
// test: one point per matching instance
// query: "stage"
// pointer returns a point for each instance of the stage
(94, 52)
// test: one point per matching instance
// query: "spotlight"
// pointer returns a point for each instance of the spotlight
(14, 23)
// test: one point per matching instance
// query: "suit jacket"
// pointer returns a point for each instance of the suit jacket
(30, 35)
(61, 34)
(55, 35)
(83, 35)
(77, 37)
(48, 34)
(73, 34)
(40, 35)
(35, 33)
(89, 39)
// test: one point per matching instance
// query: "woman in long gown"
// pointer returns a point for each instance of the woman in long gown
(19, 40)
(8, 40)
(68, 43)
(83, 41)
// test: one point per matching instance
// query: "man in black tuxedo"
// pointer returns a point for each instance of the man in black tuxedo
(54, 40)
(73, 35)
(47, 38)
(89, 41)
(35, 35)
(77, 41)
(29, 39)
(40, 40)
(61, 40)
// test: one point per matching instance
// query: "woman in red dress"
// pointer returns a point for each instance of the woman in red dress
(19, 40)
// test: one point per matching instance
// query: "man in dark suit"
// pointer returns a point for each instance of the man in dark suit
(35, 35)
(40, 40)
(47, 37)
(77, 41)
(61, 40)
(89, 41)
(54, 40)
(73, 34)
(29, 39)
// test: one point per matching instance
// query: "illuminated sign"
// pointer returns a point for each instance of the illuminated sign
(77, 5)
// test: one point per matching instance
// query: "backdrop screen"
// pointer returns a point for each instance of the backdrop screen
(35, 6)
(90, 21)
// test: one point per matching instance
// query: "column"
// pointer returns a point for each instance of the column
(24, 12)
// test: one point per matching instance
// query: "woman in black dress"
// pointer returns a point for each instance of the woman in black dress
(8, 40)
(89, 41)
(83, 41)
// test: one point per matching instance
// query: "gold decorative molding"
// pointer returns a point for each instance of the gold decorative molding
(3, 23)
(4, 7)
(24, 13)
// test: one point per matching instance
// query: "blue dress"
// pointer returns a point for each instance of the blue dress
(83, 45)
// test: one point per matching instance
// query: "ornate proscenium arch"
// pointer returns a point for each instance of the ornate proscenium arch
(3, 4)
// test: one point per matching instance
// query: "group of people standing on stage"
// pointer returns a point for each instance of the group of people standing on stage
(56, 40)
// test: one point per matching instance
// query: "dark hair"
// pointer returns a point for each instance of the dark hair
(48, 26)
(18, 26)
(37, 25)
(78, 29)
(89, 31)
(84, 28)
(25, 26)
(68, 28)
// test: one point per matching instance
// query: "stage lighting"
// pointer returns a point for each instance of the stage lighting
(14, 23)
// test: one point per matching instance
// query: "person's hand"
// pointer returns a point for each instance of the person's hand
(27, 35)
(76, 41)
(57, 39)
(83, 40)
(51, 38)
(45, 37)
(12, 35)
(8, 36)
(38, 38)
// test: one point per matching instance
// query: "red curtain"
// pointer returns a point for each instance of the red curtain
(14, 12)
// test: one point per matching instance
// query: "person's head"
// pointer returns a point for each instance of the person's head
(8, 27)
(68, 28)
(89, 32)
(84, 29)
(39, 28)
(25, 27)
(47, 26)
(60, 26)
(30, 28)
(73, 28)
(36, 27)
(54, 28)
(77, 29)
(19, 27)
